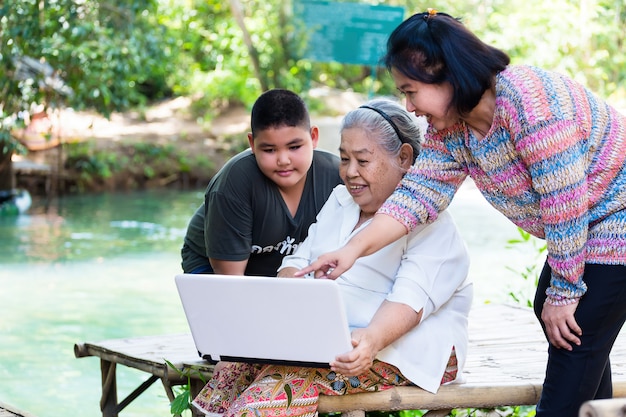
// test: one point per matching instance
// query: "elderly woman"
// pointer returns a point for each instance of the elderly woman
(407, 304)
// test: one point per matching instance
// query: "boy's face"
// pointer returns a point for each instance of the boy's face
(284, 154)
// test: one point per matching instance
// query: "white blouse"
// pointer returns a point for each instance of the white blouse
(426, 269)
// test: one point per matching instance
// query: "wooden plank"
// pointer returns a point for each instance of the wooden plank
(147, 353)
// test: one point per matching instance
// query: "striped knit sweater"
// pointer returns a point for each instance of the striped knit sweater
(552, 162)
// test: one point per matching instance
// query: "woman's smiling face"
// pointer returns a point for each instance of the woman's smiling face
(430, 100)
(368, 171)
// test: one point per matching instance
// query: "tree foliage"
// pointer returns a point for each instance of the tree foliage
(116, 54)
(103, 55)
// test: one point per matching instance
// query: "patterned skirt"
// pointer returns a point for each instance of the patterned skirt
(245, 390)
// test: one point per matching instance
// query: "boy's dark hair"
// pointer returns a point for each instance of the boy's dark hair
(279, 108)
(434, 47)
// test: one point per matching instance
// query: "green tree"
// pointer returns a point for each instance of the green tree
(115, 54)
(103, 55)
(231, 59)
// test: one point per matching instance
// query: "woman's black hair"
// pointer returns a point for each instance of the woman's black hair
(433, 48)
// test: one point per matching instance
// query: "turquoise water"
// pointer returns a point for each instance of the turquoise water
(86, 269)
(96, 267)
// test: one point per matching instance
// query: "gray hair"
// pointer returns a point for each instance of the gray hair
(388, 123)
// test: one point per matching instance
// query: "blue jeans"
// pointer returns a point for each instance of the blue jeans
(203, 269)
(573, 377)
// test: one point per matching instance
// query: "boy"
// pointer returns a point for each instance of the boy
(259, 206)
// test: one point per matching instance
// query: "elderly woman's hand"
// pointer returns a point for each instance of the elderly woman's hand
(361, 358)
(391, 321)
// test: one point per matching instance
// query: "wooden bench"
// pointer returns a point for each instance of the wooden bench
(505, 367)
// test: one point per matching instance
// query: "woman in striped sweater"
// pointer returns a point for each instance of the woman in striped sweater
(546, 153)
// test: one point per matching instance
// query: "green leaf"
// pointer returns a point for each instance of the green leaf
(171, 365)
(289, 393)
(180, 403)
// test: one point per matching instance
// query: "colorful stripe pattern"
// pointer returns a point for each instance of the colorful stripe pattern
(553, 163)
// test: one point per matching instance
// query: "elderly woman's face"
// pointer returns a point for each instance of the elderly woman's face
(367, 170)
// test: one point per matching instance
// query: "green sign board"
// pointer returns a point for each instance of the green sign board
(350, 33)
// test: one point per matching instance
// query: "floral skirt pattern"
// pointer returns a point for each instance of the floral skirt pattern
(245, 390)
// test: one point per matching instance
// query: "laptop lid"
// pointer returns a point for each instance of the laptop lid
(292, 321)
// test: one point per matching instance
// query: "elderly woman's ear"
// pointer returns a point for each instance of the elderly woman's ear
(406, 156)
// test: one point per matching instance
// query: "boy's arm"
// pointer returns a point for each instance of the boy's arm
(228, 267)
(287, 272)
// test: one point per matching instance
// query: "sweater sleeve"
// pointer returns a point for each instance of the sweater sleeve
(429, 185)
(556, 155)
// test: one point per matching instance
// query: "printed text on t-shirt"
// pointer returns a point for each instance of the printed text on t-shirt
(286, 247)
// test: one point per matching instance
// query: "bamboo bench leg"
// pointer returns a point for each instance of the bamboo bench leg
(108, 402)
(168, 389)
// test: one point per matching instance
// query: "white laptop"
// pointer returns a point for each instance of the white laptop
(292, 321)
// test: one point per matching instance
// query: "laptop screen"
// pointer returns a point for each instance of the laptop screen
(292, 321)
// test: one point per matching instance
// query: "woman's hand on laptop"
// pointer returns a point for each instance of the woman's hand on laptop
(360, 359)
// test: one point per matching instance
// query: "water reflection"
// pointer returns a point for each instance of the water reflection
(86, 268)
(98, 226)
(90, 268)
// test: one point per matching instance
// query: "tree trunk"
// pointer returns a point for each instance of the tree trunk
(6, 169)
(236, 10)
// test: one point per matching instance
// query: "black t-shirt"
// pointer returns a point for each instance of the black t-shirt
(193, 252)
(247, 218)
